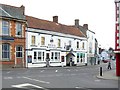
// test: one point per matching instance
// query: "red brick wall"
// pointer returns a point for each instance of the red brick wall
(17, 41)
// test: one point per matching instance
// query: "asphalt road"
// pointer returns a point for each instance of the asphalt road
(83, 78)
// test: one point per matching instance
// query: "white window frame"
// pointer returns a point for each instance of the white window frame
(7, 51)
(5, 26)
(21, 51)
(18, 29)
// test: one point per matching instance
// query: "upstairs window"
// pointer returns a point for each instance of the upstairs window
(59, 42)
(5, 51)
(33, 40)
(77, 45)
(18, 29)
(83, 45)
(42, 40)
(5, 27)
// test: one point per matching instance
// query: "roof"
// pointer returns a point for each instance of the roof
(52, 26)
(12, 11)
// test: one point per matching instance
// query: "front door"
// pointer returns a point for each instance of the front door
(47, 59)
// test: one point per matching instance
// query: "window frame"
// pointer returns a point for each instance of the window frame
(19, 51)
(4, 26)
(42, 41)
(6, 51)
(19, 29)
(33, 41)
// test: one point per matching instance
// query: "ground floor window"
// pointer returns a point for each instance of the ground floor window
(80, 57)
(6, 51)
(19, 51)
(38, 56)
(55, 56)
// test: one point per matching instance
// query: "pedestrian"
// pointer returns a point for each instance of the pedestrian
(47, 62)
(109, 65)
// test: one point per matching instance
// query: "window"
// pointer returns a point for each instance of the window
(5, 27)
(70, 42)
(117, 15)
(55, 56)
(83, 45)
(77, 44)
(18, 29)
(42, 40)
(35, 55)
(40, 56)
(19, 51)
(78, 57)
(5, 51)
(117, 8)
(52, 55)
(59, 42)
(33, 40)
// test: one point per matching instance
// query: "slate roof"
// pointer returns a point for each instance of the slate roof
(52, 26)
(11, 12)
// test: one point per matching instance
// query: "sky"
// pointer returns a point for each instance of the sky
(98, 14)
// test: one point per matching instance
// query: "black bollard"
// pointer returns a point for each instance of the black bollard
(100, 71)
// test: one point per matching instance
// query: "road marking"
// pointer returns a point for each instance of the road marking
(56, 70)
(68, 69)
(36, 80)
(76, 70)
(8, 72)
(27, 84)
(83, 88)
(8, 77)
(97, 80)
(42, 71)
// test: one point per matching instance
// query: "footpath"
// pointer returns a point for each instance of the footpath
(110, 74)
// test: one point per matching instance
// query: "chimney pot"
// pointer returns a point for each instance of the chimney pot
(77, 22)
(85, 26)
(55, 19)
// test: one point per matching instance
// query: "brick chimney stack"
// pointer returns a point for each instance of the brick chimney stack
(85, 26)
(77, 22)
(55, 19)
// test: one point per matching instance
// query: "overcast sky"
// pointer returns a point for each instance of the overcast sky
(98, 14)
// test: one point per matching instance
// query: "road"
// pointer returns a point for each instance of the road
(83, 77)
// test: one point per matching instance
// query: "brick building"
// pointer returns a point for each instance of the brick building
(117, 36)
(12, 36)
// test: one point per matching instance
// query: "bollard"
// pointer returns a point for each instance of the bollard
(100, 71)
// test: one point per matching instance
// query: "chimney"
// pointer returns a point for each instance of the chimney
(77, 22)
(23, 9)
(85, 26)
(55, 19)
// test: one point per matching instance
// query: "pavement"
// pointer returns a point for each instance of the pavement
(110, 74)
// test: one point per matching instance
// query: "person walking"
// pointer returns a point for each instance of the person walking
(109, 65)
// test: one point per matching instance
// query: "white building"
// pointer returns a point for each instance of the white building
(90, 42)
(60, 44)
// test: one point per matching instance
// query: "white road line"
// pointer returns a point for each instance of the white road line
(36, 80)
(76, 70)
(97, 80)
(8, 77)
(42, 71)
(68, 69)
(25, 85)
(8, 72)
(56, 70)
